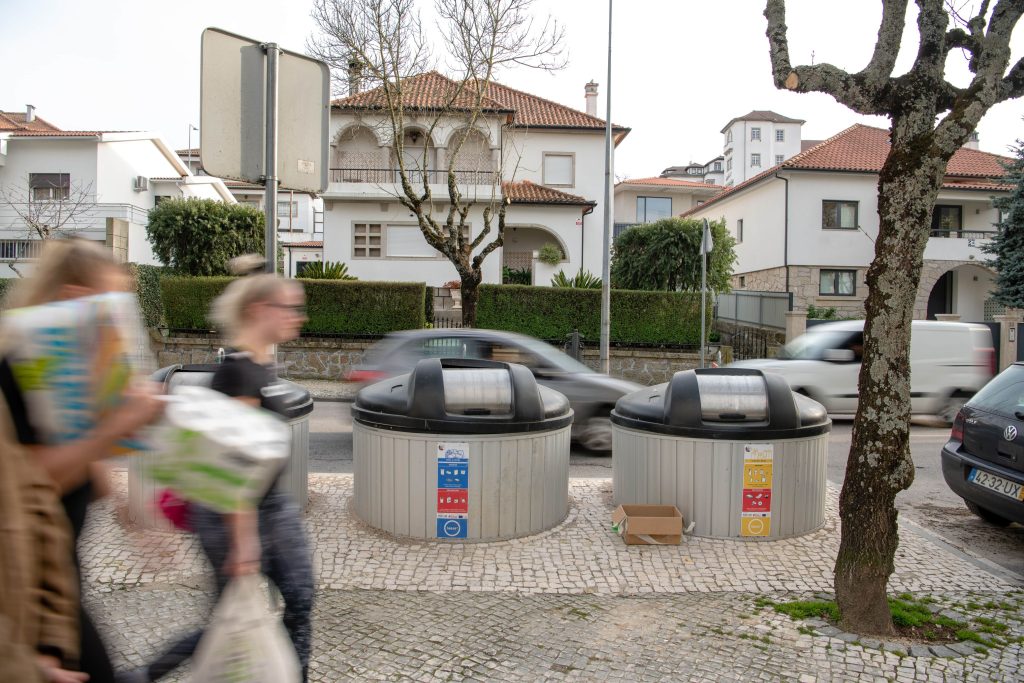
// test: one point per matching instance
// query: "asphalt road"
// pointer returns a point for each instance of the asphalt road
(928, 502)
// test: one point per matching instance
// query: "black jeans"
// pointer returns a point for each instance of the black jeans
(286, 560)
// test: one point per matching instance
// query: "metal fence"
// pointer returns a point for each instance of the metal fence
(763, 309)
(415, 176)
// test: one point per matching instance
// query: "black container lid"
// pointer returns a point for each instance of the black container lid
(678, 408)
(417, 402)
(296, 399)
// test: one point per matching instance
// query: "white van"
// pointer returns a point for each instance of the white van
(948, 363)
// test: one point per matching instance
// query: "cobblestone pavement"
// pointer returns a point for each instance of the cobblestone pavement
(572, 603)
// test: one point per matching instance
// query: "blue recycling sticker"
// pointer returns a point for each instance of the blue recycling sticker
(452, 527)
(453, 474)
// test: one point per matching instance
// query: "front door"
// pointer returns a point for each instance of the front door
(941, 298)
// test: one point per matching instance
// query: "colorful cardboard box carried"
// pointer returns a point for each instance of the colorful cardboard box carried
(74, 359)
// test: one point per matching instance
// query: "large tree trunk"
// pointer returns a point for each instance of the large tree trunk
(879, 464)
(470, 296)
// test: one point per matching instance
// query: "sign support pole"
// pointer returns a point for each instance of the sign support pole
(703, 287)
(270, 167)
(609, 188)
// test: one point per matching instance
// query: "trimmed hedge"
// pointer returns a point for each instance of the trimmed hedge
(5, 286)
(553, 312)
(147, 286)
(334, 306)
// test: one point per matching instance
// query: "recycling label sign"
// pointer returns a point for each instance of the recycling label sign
(452, 490)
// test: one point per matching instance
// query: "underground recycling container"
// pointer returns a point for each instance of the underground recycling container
(461, 449)
(740, 454)
(295, 478)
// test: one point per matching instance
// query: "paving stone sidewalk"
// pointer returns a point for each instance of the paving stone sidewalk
(572, 603)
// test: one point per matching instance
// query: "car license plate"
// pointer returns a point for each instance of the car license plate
(998, 484)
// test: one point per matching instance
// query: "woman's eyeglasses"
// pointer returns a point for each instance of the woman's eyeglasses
(298, 309)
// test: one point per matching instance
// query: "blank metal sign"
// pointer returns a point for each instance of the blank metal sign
(232, 113)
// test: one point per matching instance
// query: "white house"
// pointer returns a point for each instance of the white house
(711, 173)
(645, 200)
(757, 141)
(808, 226)
(544, 158)
(300, 216)
(94, 184)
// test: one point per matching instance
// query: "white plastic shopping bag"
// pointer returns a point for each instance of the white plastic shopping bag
(245, 642)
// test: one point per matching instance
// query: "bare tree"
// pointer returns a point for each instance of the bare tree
(930, 120)
(382, 45)
(49, 211)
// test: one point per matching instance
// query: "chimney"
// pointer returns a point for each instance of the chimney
(972, 140)
(591, 96)
(30, 113)
(355, 77)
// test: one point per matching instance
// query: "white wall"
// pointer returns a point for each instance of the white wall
(625, 201)
(809, 244)
(762, 210)
(742, 147)
(339, 217)
(301, 256)
(973, 285)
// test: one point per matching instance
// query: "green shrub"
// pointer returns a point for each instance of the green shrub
(665, 255)
(582, 280)
(199, 236)
(334, 306)
(553, 312)
(147, 286)
(516, 276)
(326, 270)
(428, 306)
(550, 254)
(823, 313)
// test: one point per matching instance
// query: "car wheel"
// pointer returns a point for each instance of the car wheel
(987, 515)
(951, 406)
(596, 434)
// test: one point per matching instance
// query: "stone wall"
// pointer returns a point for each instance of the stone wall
(331, 359)
(804, 283)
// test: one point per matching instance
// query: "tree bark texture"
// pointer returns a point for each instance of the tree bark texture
(879, 464)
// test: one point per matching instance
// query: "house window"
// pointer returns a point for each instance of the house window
(559, 169)
(838, 215)
(367, 240)
(650, 209)
(287, 209)
(728, 164)
(46, 187)
(743, 281)
(300, 267)
(755, 159)
(718, 165)
(779, 158)
(728, 136)
(709, 181)
(408, 241)
(780, 136)
(755, 133)
(947, 220)
(837, 282)
(739, 230)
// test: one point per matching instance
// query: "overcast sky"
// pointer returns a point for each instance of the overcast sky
(681, 68)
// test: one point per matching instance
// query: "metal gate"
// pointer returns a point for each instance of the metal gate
(748, 343)
(1020, 344)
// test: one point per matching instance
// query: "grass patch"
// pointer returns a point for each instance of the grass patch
(809, 609)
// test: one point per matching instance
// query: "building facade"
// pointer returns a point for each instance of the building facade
(93, 184)
(807, 226)
(756, 141)
(545, 160)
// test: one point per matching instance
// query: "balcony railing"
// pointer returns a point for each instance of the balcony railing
(20, 250)
(387, 176)
(964, 234)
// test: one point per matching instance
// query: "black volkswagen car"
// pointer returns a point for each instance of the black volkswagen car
(983, 462)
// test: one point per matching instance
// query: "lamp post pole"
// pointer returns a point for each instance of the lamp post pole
(606, 287)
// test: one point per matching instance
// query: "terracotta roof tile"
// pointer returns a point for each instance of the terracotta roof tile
(863, 149)
(428, 90)
(17, 118)
(432, 90)
(318, 244)
(59, 133)
(525, 192)
(670, 182)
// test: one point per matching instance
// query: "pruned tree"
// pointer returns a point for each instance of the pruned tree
(931, 119)
(381, 44)
(1007, 246)
(47, 206)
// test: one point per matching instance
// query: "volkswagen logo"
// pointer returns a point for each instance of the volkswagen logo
(1010, 433)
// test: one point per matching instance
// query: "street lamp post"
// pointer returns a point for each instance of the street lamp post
(606, 286)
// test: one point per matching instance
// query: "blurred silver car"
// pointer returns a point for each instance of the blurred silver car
(591, 394)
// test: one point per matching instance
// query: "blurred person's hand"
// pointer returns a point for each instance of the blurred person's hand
(54, 673)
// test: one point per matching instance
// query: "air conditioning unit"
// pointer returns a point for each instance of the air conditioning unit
(141, 183)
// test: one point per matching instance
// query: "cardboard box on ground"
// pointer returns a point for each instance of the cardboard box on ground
(648, 524)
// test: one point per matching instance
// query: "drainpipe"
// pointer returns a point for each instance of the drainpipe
(583, 225)
(785, 235)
